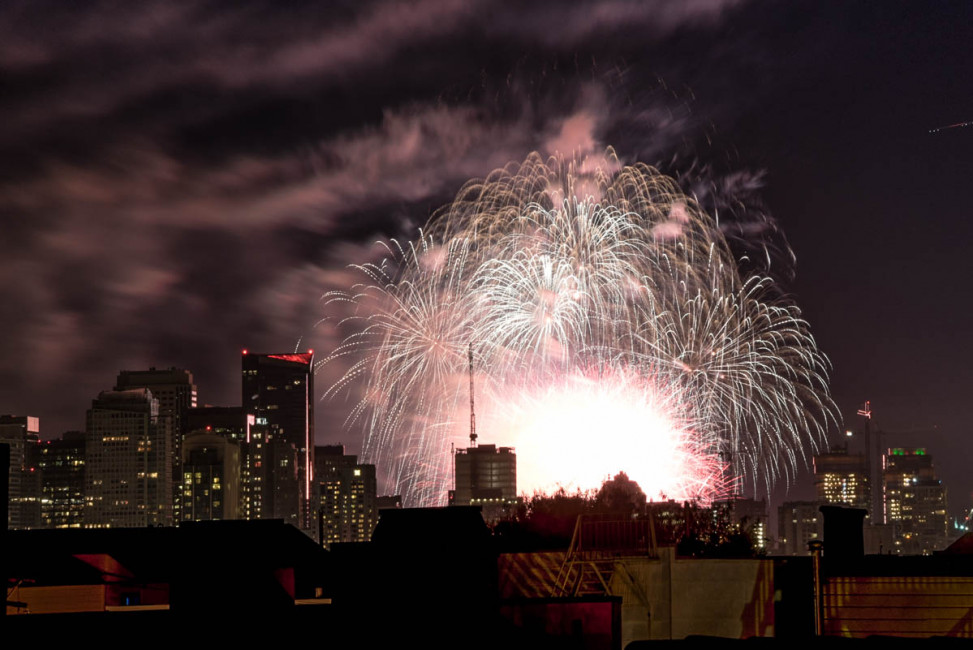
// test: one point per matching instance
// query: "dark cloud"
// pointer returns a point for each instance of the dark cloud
(178, 173)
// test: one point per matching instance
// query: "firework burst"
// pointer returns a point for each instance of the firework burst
(613, 331)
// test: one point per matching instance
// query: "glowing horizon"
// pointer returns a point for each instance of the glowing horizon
(580, 431)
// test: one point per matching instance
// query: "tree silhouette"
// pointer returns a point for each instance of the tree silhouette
(620, 496)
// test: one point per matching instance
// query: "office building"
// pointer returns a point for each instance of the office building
(842, 479)
(61, 464)
(176, 393)
(231, 423)
(22, 434)
(347, 497)
(278, 389)
(915, 502)
(128, 479)
(269, 487)
(210, 477)
(173, 387)
(486, 476)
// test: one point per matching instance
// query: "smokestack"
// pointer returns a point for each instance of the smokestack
(844, 535)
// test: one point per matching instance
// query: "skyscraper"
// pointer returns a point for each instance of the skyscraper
(233, 424)
(61, 464)
(173, 387)
(278, 389)
(347, 496)
(128, 478)
(176, 393)
(22, 434)
(915, 502)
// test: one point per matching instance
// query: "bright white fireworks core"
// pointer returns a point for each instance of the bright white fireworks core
(612, 330)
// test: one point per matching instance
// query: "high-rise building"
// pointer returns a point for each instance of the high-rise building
(486, 476)
(278, 389)
(176, 392)
(233, 424)
(347, 496)
(842, 479)
(173, 387)
(915, 502)
(128, 479)
(211, 477)
(61, 464)
(22, 434)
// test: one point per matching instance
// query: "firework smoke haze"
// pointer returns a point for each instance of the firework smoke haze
(613, 332)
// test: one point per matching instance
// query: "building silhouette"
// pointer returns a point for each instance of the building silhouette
(278, 389)
(128, 477)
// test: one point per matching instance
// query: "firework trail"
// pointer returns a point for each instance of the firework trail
(612, 330)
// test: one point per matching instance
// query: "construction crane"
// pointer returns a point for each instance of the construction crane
(875, 452)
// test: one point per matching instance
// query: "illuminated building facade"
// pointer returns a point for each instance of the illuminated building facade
(176, 393)
(61, 464)
(22, 434)
(210, 478)
(915, 502)
(347, 496)
(278, 389)
(128, 478)
(842, 479)
(273, 490)
(486, 476)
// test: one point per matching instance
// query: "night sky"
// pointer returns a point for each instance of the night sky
(182, 180)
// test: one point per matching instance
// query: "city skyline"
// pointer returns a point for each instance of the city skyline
(173, 214)
(851, 449)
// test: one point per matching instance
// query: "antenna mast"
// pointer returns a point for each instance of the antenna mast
(873, 459)
(472, 410)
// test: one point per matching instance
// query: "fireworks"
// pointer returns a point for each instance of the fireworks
(612, 331)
